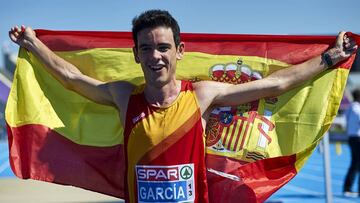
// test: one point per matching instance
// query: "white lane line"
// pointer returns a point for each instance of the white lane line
(302, 190)
(334, 162)
(319, 179)
(4, 156)
(4, 80)
(4, 166)
(334, 171)
(314, 193)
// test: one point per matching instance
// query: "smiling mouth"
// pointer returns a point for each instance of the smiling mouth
(156, 67)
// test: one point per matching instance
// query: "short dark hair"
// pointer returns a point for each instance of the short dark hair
(356, 95)
(155, 18)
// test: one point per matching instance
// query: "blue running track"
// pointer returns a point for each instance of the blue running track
(309, 184)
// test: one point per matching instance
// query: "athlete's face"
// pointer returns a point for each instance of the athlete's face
(157, 54)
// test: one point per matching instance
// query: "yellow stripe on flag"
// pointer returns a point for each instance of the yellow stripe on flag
(81, 116)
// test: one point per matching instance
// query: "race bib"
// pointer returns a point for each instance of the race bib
(165, 183)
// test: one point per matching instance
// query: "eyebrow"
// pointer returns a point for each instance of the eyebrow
(164, 44)
(160, 44)
(144, 45)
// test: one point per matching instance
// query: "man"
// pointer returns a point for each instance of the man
(165, 108)
(353, 131)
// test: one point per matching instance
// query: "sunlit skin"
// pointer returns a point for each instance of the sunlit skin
(158, 55)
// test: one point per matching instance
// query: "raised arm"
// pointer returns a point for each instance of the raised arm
(221, 94)
(66, 73)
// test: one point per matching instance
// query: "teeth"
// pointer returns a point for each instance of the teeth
(157, 67)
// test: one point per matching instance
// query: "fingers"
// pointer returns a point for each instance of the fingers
(346, 43)
(352, 50)
(349, 44)
(345, 46)
(340, 39)
(16, 34)
(12, 36)
(15, 31)
(18, 30)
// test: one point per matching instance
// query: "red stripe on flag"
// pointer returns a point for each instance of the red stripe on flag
(256, 181)
(292, 49)
(232, 136)
(241, 135)
(224, 140)
(39, 153)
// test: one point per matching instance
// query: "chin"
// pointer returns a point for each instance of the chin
(159, 82)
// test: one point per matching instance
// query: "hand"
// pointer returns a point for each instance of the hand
(23, 36)
(345, 46)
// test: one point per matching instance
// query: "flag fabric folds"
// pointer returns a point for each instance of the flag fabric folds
(252, 150)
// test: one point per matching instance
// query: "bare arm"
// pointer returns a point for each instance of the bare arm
(66, 73)
(218, 94)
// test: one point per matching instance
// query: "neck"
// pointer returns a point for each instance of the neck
(162, 96)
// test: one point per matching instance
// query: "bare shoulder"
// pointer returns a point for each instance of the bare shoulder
(207, 91)
(120, 84)
(120, 92)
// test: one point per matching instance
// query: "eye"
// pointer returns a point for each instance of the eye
(145, 48)
(164, 48)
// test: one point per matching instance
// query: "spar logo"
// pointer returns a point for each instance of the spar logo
(186, 172)
(165, 183)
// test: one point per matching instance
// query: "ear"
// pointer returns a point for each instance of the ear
(136, 56)
(180, 51)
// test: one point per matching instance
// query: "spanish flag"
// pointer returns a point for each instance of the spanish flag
(252, 150)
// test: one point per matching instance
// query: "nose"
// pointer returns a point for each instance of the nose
(156, 54)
